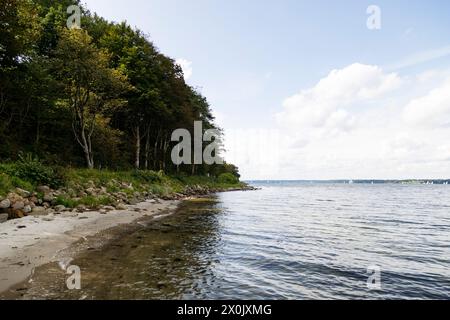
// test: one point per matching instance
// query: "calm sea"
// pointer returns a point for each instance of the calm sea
(285, 241)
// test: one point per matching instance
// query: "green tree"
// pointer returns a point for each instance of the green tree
(91, 86)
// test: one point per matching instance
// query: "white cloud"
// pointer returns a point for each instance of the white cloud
(186, 65)
(326, 105)
(360, 122)
(432, 109)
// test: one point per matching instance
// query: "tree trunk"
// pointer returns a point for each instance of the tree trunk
(147, 149)
(87, 148)
(166, 148)
(155, 151)
(138, 148)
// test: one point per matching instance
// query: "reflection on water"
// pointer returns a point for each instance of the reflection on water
(167, 259)
(286, 241)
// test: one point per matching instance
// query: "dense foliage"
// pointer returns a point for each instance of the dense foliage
(101, 96)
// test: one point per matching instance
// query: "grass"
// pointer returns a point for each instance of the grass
(75, 182)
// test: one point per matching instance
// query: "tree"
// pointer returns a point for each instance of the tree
(91, 86)
(107, 89)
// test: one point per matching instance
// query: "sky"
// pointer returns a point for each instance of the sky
(310, 89)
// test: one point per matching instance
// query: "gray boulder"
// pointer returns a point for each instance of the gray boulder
(27, 209)
(5, 204)
(18, 205)
(60, 208)
(38, 211)
(43, 189)
(121, 206)
(49, 198)
(23, 193)
(3, 217)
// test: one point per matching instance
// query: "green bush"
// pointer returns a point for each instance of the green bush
(9, 183)
(5, 184)
(31, 169)
(147, 176)
(228, 178)
(67, 202)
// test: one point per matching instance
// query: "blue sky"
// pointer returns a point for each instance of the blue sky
(249, 56)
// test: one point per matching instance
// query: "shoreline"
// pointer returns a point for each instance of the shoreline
(31, 242)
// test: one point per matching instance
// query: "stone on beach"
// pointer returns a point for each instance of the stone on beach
(43, 189)
(23, 193)
(60, 208)
(5, 204)
(18, 205)
(3, 217)
(38, 211)
(121, 206)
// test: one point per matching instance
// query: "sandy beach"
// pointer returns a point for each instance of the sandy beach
(28, 243)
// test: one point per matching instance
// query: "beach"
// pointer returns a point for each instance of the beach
(28, 243)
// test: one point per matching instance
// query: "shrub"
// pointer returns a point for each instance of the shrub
(147, 176)
(8, 183)
(5, 184)
(67, 202)
(95, 202)
(228, 178)
(31, 169)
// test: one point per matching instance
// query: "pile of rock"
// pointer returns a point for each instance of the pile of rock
(43, 202)
(21, 203)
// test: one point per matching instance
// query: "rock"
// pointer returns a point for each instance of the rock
(90, 184)
(49, 197)
(60, 208)
(3, 217)
(43, 189)
(81, 208)
(103, 211)
(134, 202)
(18, 205)
(27, 209)
(16, 214)
(23, 193)
(71, 192)
(69, 215)
(121, 206)
(34, 199)
(5, 204)
(38, 211)
(91, 191)
(109, 208)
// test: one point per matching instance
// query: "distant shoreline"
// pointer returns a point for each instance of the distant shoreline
(360, 181)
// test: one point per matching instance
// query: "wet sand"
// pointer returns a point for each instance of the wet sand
(157, 257)
(28, 243)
